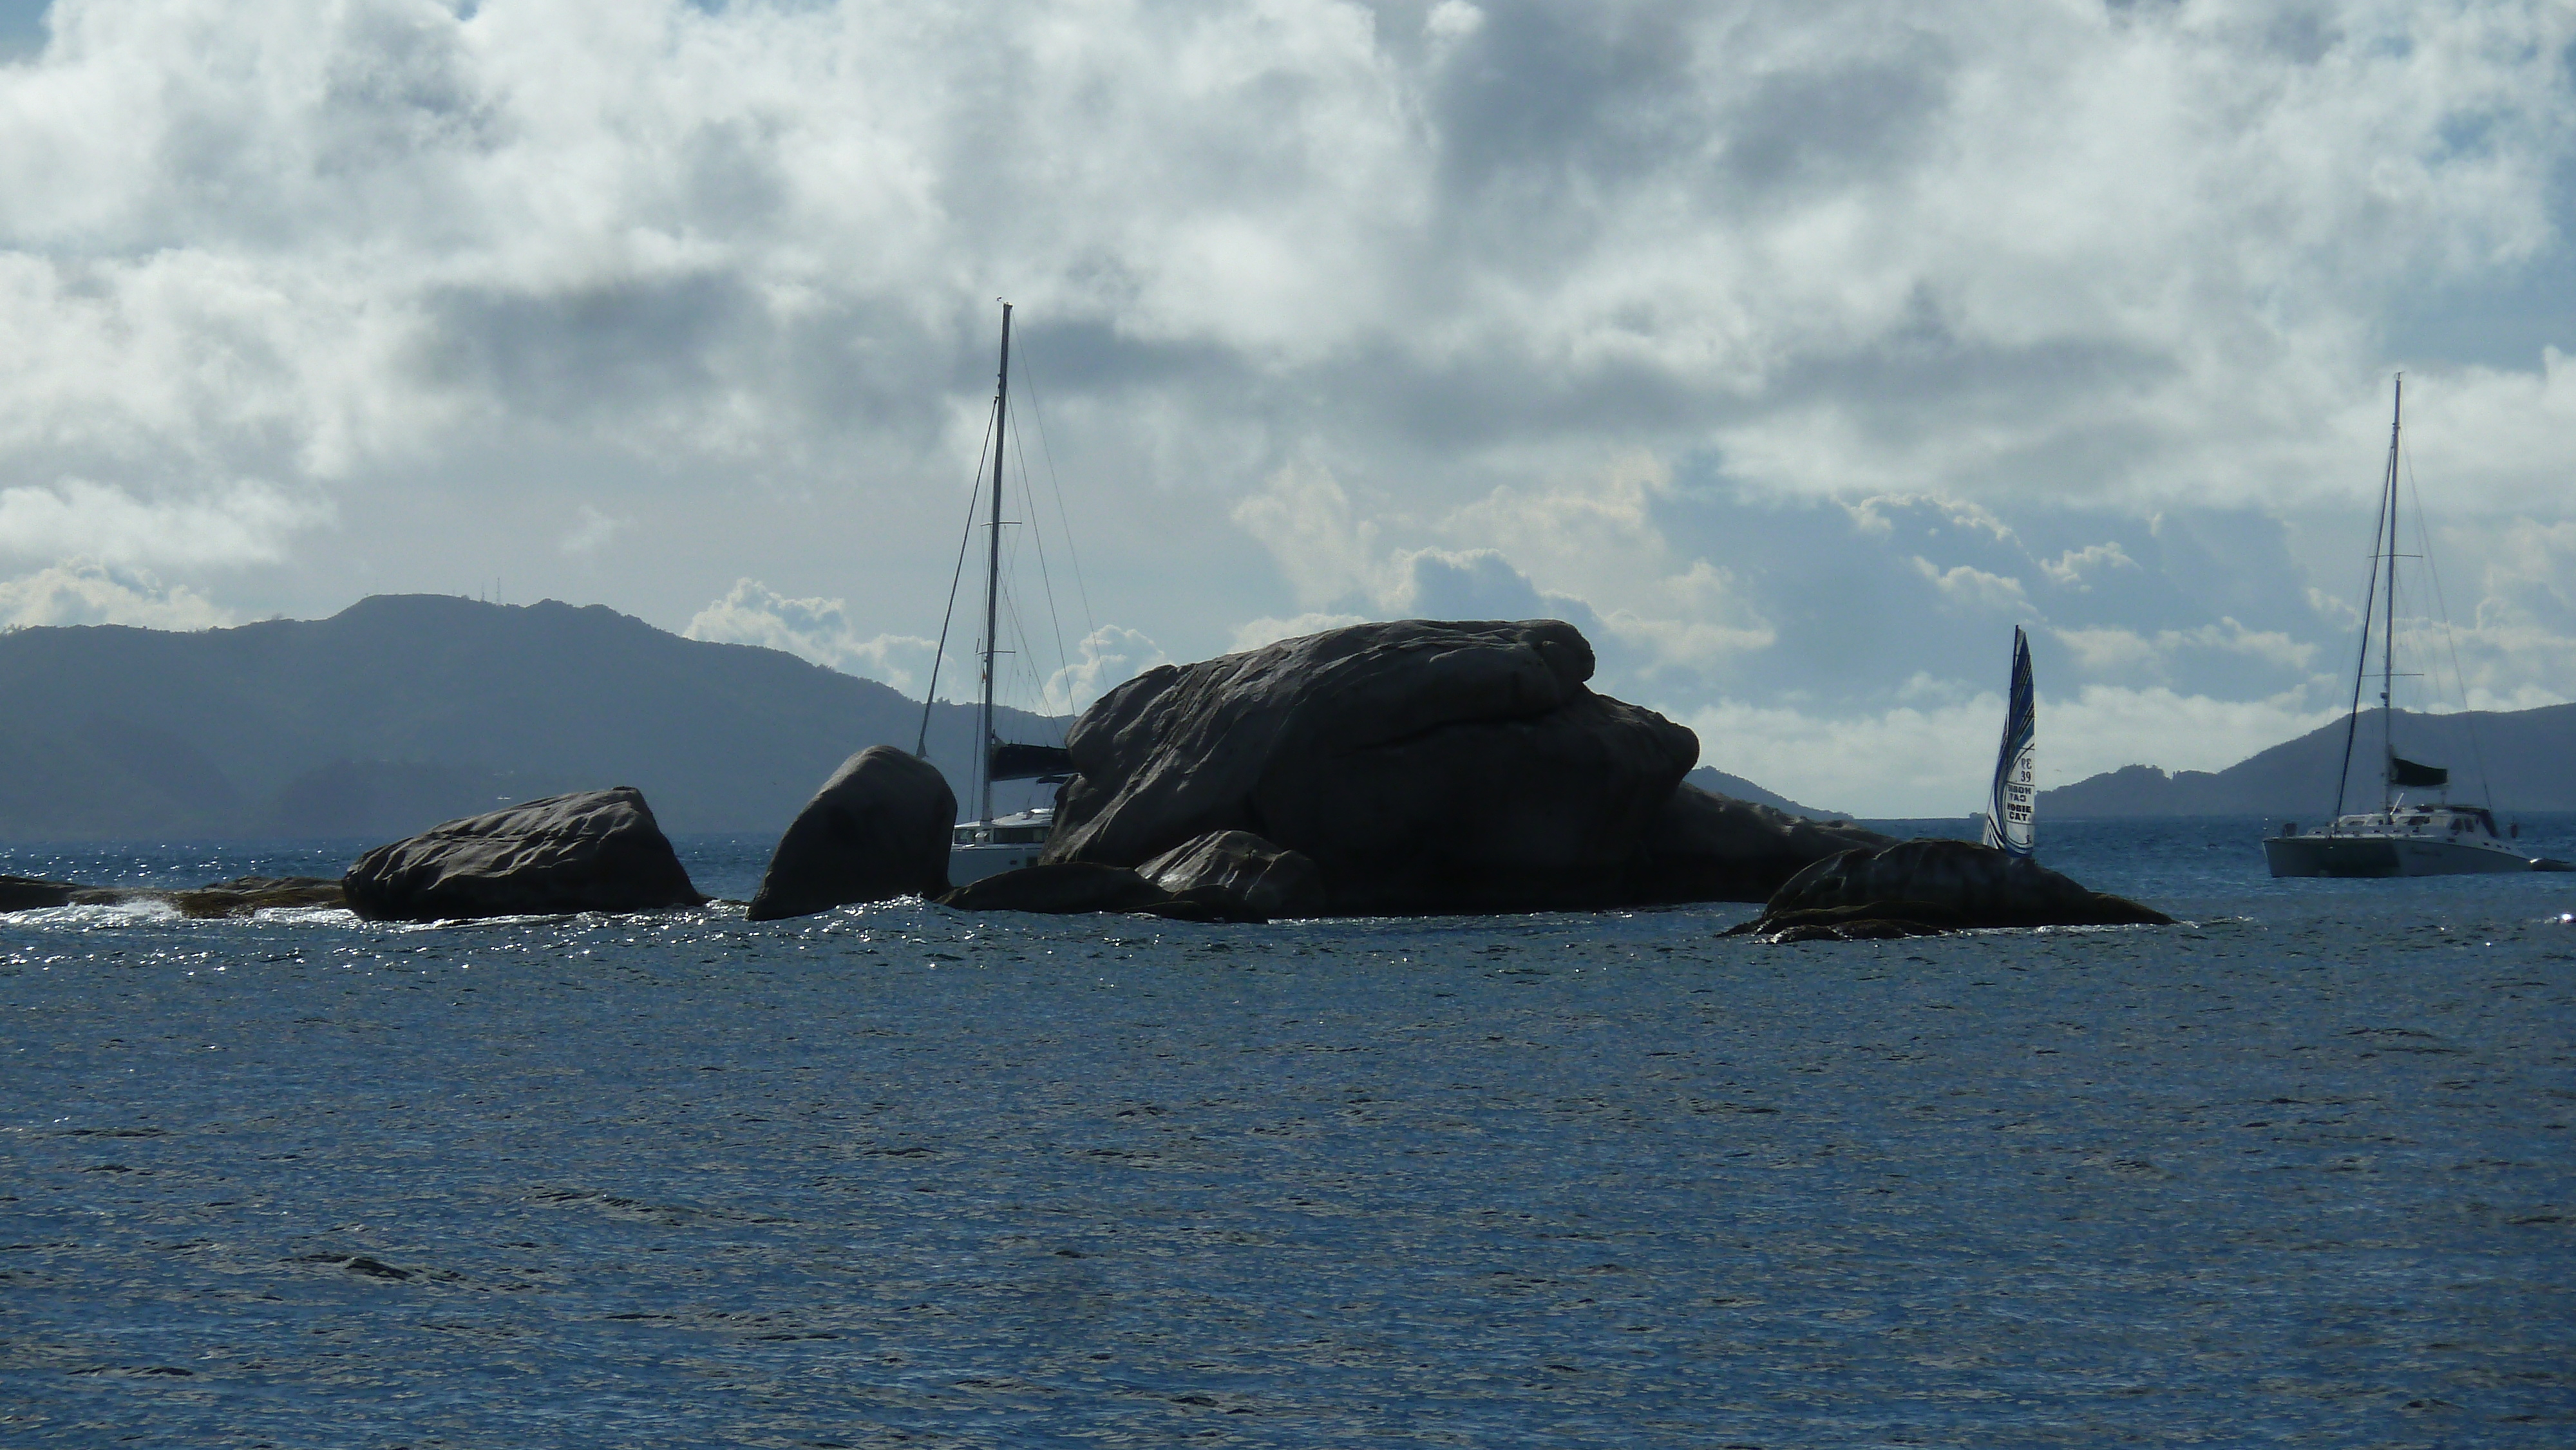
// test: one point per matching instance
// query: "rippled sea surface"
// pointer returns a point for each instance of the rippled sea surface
(2298, 1172)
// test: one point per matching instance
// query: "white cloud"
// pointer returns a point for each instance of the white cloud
(2074, 565)
(1108, 657)
(245, 523)
(1306, 520)
(1253, 634)
(1967, 587)
(817, 630)
(81, 591)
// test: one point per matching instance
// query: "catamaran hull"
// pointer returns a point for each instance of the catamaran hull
(2385, 856)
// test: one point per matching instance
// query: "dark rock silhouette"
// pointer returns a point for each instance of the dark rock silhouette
(1707, 847)
(1070, 887)
(32, 893)
(1423, 766)
(878, 828)
(240, 896)
(1921, 887)
(589, 851)
(1257, 877)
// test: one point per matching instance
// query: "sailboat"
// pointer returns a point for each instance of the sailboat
(989, 844)
(2436, 838)
(2009, 800)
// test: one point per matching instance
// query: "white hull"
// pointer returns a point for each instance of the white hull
(974, 863)
(978, 849)
(2320, 855)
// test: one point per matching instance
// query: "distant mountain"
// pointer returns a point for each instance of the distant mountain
(1710, 778)
(405, 710)
(2529, 759)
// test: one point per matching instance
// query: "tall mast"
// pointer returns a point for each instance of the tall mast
(993, 575)
(2388, 625)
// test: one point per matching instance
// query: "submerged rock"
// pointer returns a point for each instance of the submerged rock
(1422, 766)
(1238, 867)
(1708, 847)
(1922, 887)
(588, 851)
(878, 828)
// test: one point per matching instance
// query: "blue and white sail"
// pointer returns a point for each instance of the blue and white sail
(2009, 802)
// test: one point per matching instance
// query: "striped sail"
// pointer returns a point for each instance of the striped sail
(2008, 804)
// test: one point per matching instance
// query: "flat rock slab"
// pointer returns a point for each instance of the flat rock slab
(1927, 886)
(588, 851)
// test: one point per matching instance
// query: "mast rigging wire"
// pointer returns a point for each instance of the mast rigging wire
(921, 743)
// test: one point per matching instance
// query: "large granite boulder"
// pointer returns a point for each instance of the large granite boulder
(879, 828)
(1422, 766)
(1260, 878)
(1707, 847)
(1920, 887)
(595, 850)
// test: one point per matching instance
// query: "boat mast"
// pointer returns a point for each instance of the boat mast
(2388, 626)
(993, 576)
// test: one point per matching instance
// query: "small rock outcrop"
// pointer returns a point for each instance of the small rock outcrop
(1422, 766)
(244, 895)
(1065, 888)
(588, 851)
(1924, 887)
(32, 893)
(1258, 878)
(241, 896)
(878, 828)
(1708, 847)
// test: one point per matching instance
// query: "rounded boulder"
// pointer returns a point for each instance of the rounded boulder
(879, 828)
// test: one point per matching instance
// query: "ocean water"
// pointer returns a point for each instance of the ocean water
(2296, 1172)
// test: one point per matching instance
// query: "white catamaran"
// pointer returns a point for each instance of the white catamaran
(2398, 839)
(989, 845)
(2015, 790)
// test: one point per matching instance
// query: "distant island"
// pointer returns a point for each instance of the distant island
(402, 711)
(1710, 778)
(2528, 758)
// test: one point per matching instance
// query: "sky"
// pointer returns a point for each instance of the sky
(1796, 352)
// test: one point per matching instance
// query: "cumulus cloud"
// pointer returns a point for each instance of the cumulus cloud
(1105, 659)
(816, 630)
(83, 591)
